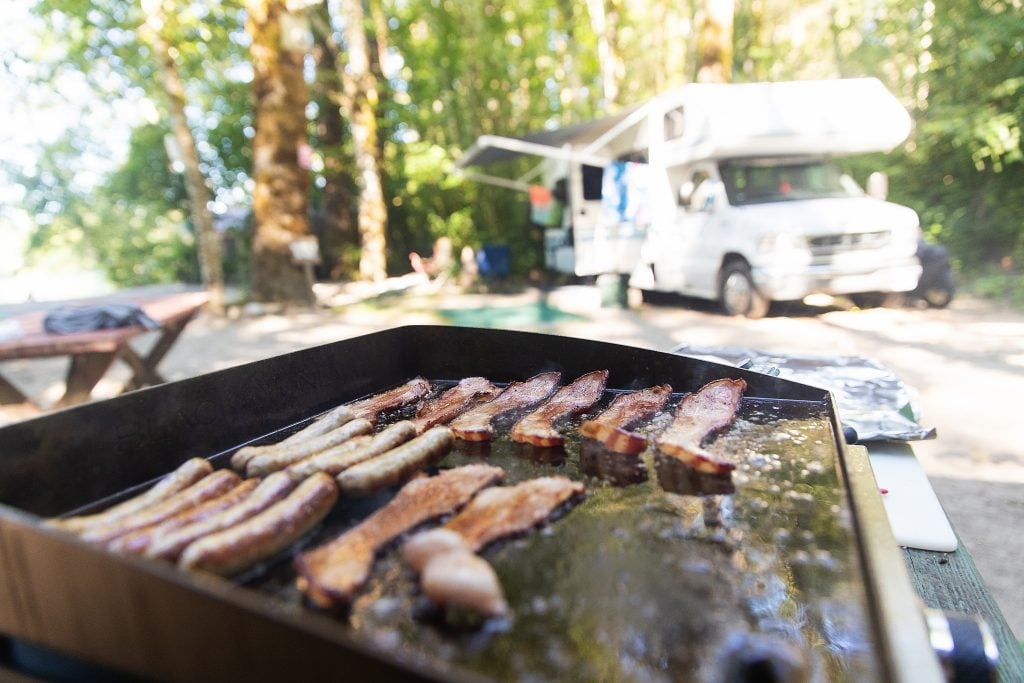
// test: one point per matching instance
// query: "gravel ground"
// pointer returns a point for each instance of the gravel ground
(965, 363)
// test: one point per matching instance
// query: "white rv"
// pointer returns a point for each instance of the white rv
(726, 192)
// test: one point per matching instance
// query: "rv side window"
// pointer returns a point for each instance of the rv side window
(697, 193)
(674, 124)
(765, 180)
(593, 179)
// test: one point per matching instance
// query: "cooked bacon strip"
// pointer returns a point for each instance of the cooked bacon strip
(462, 579)
(331, 574)
(327, 422)
(454, 401)
(410, 392)
(184, 476)
(509, 510)
(450, 572)
(707, 411)
(538, 428)
(265, 463)
(354, 451)
(270, 491)
(211, 486)
(239, 547)
(475, 424)
(136, 542)
(612, 426)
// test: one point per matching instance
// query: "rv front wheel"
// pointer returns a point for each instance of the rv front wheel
(737, 293)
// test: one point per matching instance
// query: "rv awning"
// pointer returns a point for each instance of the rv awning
(570, 143)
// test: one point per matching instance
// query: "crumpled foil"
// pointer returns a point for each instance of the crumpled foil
(869, 396)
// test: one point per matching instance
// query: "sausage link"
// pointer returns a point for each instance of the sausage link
(322, 425)
(271, 531)
(184, 476)
(210, 486)
(270, 491)
(397, 464)
(266, 463)
(136, 542)
(339, 459)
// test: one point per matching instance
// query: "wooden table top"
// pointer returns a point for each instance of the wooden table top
(35, 342)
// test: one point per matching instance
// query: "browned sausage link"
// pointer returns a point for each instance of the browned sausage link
(136, 542)
(270, 491)
(271, 531)
(210, 486)
(330, 420)
(187, 474)
(266, 463)
(397, 464)
(322, 425)
(339, 459)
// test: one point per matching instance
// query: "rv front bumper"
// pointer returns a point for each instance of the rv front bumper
(794, 285)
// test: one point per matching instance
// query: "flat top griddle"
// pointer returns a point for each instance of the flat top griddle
(637, 582)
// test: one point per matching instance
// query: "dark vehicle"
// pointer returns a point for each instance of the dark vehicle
(937, 284)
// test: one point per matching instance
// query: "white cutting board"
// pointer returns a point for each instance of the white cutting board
(915, 514)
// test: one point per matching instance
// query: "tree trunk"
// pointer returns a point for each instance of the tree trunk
(714, 42)
(606, 54)
(338, 236)
(211, 266)
(281, 184)
(361, 92)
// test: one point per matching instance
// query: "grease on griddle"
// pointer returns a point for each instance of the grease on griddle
(618, 469)
(675, 476)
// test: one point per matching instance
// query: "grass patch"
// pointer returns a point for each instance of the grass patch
(508, 316)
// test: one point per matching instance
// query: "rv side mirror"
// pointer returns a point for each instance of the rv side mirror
(878, 185)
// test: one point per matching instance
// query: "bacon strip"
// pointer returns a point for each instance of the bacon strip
(475, 424)
(505, 511)
(538, 427)
(611, 427)
(457, 577)
(270, 490)
(707, 411)
(184, 476)
(450, 572)
(370, 408)
(454, 401)
(331, 574)
(211, 486)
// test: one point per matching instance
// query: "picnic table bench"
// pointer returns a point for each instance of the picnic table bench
(92, 353)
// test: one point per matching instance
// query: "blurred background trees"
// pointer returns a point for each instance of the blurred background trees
(392, 92)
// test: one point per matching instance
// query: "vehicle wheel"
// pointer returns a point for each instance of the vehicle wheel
(867, 300)
(939, 296)
(737, 293)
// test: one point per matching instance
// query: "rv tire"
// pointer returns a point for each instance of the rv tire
(738, 294)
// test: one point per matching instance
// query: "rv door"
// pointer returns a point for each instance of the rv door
(610, 217)
(682, 252)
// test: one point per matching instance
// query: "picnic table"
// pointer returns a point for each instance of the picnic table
(92, 353)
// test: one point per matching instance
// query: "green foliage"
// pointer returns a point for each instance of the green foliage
(457, 70)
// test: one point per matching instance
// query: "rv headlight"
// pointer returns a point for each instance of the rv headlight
(785, 247)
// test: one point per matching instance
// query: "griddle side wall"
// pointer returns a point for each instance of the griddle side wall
(68, 459)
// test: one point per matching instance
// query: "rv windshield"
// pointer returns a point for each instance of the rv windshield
(758, 181)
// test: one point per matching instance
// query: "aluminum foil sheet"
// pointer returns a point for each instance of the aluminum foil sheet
(871, 398)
